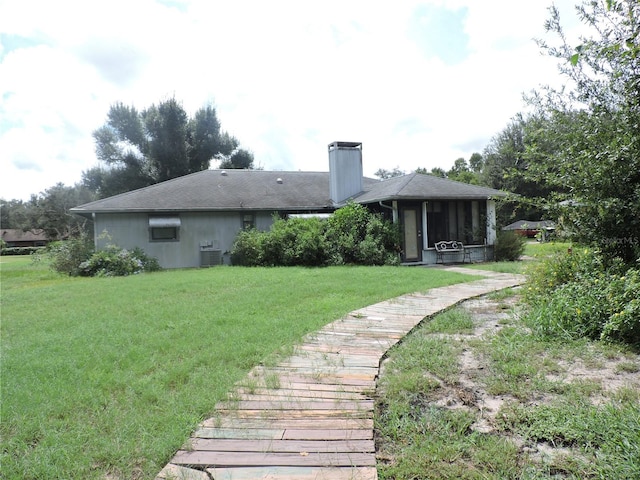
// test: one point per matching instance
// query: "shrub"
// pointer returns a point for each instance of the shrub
(623, 297)
(149, 264)
(356, 236)
(115, 261)
(67, 255)
(573, 310)
(21, 250)
(576, 295)
(247, 248)
(579, 263)
(509, 246)
(352, 235)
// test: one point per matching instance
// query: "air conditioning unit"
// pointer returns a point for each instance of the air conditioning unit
(210, 257)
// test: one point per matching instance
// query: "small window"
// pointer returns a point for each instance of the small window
(166, 234)
(248, 221)
(164, 229)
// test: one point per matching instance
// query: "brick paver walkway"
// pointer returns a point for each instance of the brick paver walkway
(311, 416)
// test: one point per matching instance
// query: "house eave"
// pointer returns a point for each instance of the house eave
(235, 208)
(423, 198)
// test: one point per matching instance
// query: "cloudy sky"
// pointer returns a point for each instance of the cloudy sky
(419, 83)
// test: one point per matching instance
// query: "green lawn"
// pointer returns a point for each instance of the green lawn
(106, 377)
(538, 250)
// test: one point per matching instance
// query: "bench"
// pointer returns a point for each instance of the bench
(451, 247)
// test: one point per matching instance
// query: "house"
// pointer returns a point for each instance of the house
(193, 220)
(15, 237)
(530, 229)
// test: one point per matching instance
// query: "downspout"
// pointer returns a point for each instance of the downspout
(393, 211)
(385, 206)
(95, 236)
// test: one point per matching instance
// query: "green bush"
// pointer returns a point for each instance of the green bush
(573, 310)
(353, 235)
(295, 242)
(623, 295)
(116, 261)
(21, 250)
(67, 255)
(578, 263)
(247, 248)
(357, 236)
(509, 246)
(576, 295)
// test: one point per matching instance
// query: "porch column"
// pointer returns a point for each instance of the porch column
(425, 233)
(491, 222)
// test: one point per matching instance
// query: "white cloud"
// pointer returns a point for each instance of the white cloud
(286, 77)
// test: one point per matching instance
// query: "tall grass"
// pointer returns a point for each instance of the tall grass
(106, 377)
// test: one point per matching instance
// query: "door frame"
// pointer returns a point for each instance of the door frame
(411, 238)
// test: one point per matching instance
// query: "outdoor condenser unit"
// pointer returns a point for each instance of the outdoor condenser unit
(209, 256)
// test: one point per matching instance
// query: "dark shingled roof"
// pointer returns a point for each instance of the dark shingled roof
(417, 186)
(268, 190)
(529, 225)
(18, 235)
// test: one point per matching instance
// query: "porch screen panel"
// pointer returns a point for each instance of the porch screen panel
(462, 220)
(437, 222)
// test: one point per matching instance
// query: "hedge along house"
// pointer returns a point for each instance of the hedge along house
(192, 221)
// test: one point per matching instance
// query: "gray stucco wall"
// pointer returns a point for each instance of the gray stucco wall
(217, 229)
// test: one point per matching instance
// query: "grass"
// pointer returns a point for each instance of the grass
(501, 267)
(539, 250)
(533, 250)
(106, 377)
(419, 436)
(452, 321)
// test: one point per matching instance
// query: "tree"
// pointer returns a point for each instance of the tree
(595, 127)
(49, 211)
(508, 158)
(460, 172)
(12, 213)
(241, 159)
(138, 149)
(435, 171)
(476, 162)
(384, 174)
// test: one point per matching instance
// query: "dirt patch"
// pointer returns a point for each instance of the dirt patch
(602, 376)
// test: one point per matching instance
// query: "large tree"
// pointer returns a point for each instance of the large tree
(507, 161)
(595, 127)
(48, 211)
(157, 144)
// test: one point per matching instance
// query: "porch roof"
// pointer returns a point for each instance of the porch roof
(417, 186)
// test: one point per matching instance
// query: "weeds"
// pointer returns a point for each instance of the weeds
(552, 425)
(455, 320)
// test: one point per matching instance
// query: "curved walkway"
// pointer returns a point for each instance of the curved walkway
(311, 416)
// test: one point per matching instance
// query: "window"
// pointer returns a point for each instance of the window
(159, 234)
(456, 220)
(164, 229)
(248, 221)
